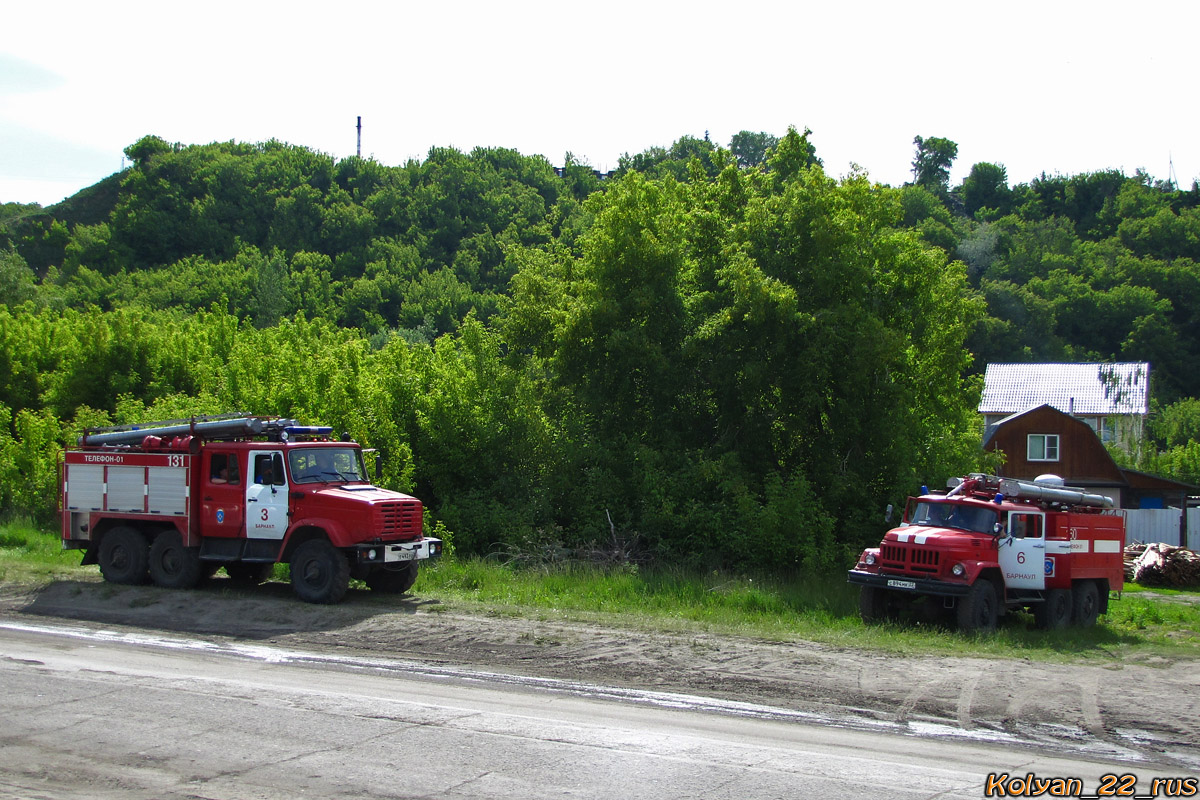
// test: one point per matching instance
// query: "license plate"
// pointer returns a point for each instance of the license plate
(400, 554)
(894, 584)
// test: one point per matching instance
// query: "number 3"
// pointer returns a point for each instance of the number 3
(266, 512)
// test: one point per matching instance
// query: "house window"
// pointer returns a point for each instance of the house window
(1043, 447)
(1103, 428)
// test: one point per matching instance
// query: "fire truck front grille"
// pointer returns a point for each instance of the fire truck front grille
(401, 520)
(909, 558)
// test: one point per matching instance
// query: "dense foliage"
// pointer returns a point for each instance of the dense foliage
(719, 356)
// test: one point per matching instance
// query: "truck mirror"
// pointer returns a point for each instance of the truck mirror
(378, 466)
(887, 516)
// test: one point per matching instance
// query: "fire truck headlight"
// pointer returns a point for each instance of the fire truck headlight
(869, 559)
(958, 570)
(371, 555)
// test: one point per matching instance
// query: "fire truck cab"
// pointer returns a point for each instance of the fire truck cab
(990, 545)
(175, 501)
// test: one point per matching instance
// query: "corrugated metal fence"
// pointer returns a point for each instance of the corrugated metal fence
(1161, 525)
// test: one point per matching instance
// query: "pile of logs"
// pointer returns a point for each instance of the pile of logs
(1159, 564)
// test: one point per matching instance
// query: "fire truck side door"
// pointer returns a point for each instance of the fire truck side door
(1023, 552)
(222, 493)
(266, 496)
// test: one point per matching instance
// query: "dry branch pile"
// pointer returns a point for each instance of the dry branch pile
(1158, 564)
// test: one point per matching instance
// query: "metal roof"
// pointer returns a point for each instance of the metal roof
(1078, 389)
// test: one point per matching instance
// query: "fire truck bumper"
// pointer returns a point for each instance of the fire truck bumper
(906, 583)
(398, 552)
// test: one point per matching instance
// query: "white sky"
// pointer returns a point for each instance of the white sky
(1052, 86)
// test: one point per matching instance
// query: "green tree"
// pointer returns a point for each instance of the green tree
(91, 246)
(1177, 423)
(719, 346)
(580, 177)
(751, 149)
(928, 215)
(986, 187)
(675, 161)
(1087, 200)
(17, 281)
(932, 162)
(619, 342)
(792, 154)
(143, 150)
(272, 286)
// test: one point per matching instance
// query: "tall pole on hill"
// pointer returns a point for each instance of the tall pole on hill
(360, 137)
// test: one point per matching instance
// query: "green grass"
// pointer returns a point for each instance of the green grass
(1149, 625)
(31, 554)
(796, 608)
(673, 598)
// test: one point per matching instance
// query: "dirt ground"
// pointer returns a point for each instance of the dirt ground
(1126, 711)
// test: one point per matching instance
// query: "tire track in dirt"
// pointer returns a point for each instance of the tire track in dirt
(1089, 705)
(965, 698)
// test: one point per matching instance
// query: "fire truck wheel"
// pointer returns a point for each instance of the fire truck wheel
(393, 580)
(124, 557)
(875, 605)
(977, 609)
(1055, 613)
(172, 565)
(249, 574)
(1087, 604)
(320, 572)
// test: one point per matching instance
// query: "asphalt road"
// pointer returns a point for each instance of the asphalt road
(86, 713)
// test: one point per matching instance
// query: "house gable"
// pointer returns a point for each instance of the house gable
(1077, 455)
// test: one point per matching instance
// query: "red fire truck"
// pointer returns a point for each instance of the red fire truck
(175, 501)
(990, 545)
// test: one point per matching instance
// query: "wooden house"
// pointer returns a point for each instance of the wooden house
(1045, 440)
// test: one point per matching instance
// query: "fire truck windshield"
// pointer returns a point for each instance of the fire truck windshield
(976, 519)
(325, 464)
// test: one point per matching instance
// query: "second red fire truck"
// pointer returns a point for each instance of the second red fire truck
(989, 545)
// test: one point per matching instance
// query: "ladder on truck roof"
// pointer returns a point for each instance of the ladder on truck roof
(1039, 490)
(223, 426)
